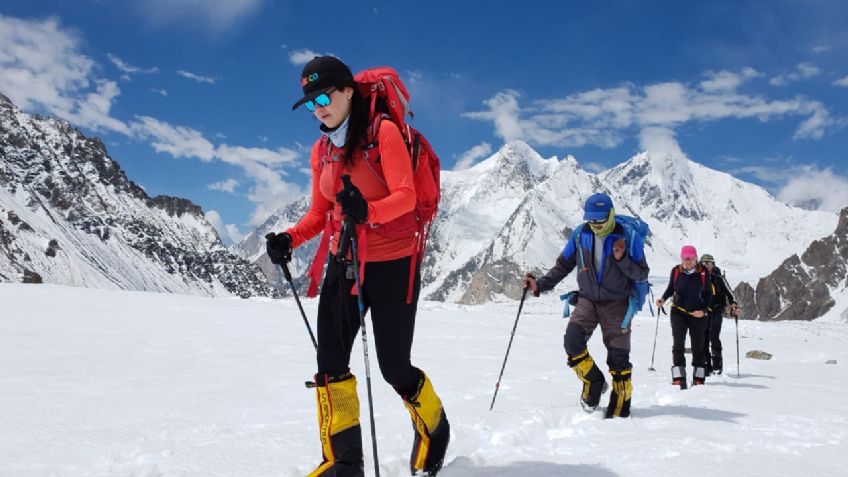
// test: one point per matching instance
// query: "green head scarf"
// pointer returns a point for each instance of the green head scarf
(606, 228)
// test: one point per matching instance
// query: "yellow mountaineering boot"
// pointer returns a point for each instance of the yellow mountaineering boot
(622, 389)
(594, 384)
(338, 426)
(432, 431)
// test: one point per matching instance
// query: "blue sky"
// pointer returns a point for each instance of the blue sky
(193, 98)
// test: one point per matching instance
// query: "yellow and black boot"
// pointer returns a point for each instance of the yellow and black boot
(594, 384)
(338, 426)
(622, 389)
(432, 431)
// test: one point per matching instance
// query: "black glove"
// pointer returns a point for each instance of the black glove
(353, 204)
(279, 247)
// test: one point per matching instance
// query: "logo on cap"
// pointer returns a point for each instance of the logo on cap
(304, 80)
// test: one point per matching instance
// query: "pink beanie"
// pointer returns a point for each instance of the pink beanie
(688, 251)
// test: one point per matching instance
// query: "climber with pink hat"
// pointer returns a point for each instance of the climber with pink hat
(690, 285)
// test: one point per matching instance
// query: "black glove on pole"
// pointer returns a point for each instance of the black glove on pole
(350, 199)
(271, 237)
(278, 247)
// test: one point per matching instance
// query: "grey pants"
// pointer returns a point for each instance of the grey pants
(587, 315)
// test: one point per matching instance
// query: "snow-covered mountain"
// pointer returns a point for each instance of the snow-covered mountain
(747, 230)
(512, 212)
(252, 246)
(70, 216)
(804, 287)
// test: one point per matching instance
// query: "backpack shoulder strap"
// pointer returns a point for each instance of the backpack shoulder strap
(578, 245)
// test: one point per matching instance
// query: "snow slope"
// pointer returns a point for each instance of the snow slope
(114, 383)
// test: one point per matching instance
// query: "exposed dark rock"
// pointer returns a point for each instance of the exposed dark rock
(757, 354)
(52, 247)
(800, 288)
(175, 206)
(31, 277)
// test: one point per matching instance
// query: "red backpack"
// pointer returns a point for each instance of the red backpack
(383, 83)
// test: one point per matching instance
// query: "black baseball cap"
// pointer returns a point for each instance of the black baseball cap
(321, 74)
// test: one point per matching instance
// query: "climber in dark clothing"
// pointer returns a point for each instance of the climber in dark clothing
(722, 298)
(691, 286)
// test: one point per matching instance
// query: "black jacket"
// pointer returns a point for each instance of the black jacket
(723, 296)
(689, 293)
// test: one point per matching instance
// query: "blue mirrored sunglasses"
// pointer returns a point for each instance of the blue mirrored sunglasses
(322, 100)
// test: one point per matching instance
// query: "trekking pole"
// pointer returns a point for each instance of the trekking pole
(288, 275)
(736, 318)
(351, 231)
(511, 336)
(660, 311)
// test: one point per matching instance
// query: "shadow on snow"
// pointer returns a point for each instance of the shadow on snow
(703, 414)
(464, 467)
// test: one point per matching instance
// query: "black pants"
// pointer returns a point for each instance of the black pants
(712, 335)
(392, 320)
(681, 323)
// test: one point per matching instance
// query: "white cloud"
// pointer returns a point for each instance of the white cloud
(304, 55)
(770, 174)
(841, 82)
(229, 233)
(816, 189)
(42, 68)
(805, 186)
(594, 167)
(264, 166)
(819, 122)
(603, 117)
(159, 91)
(778, 80)
(177, 141)
(215, 16)
(228, 185)
(808, 70)
(469, 157)
(128, 68)
(659, 141)
(802, 71)
(503, 111)
(239, 155)
(196, 77)
(727, 80)
(820, 49)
